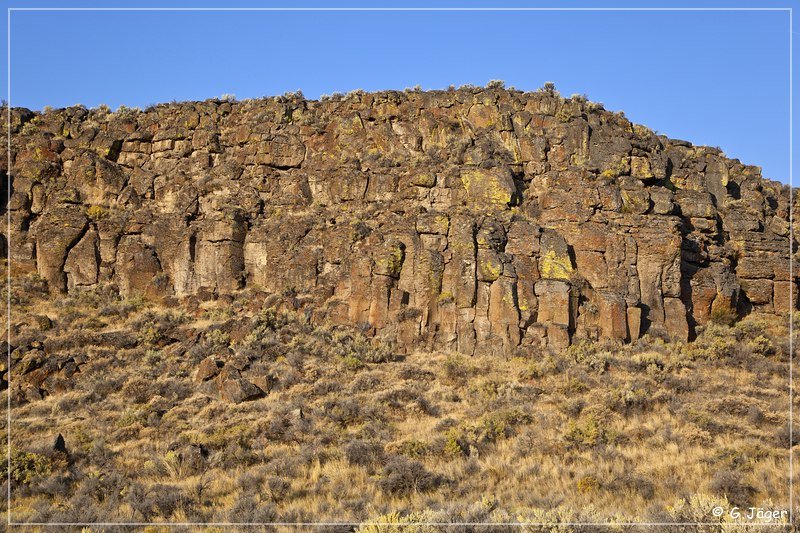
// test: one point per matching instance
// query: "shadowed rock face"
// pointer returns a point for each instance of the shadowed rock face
(472, 220)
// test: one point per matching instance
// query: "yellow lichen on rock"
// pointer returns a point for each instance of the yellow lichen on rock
(424, 179)
(352, 125)
(640, 168)
(553, 266)
(622, 167)
(490, 270)
(491, 188)
(394, 261)
(482, 115)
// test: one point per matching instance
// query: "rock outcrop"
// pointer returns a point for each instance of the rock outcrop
(471, 220)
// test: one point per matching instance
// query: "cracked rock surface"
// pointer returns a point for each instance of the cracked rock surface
(478, 220)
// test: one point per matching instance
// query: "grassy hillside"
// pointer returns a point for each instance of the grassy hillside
(342, 429)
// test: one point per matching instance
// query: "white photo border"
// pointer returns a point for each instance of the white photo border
(788, 10)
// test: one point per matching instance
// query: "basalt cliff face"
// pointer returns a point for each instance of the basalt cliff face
(482, 220)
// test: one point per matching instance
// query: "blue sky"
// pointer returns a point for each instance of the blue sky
(719, 78)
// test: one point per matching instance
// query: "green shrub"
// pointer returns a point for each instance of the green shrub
(500, 424)
(456, 368)
(715, 342)
(750, 328)
(132, 416)
(587, 432)
(411, 448)
(96, 212)
(724, 316)
(216, 338)
(761, 345)
(629, 398)
(489, 429)
(357, 350)
(730, 483)
(138, 390)
(363, 453)
(650, 362)
(156, 327)
(453, 446)
(26, 466)
(263, 328)
(590, 355)
(352, 363)
(547, 366)
(574, 385)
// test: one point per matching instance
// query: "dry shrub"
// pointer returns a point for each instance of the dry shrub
(403, 476)
(137, 390)
(729, 483)
(363, 453)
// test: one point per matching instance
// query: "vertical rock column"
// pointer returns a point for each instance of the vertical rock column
(554, 290)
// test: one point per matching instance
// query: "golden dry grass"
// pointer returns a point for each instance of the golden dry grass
(654, 431)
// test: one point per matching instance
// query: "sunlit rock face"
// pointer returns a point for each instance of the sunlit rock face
(473, 220)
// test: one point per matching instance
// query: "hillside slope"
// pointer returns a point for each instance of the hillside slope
(235, 411)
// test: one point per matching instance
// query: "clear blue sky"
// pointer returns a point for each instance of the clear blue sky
(717, 78)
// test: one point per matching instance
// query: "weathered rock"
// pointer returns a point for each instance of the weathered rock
(613, 315)
(482, 221)
(634, 323)
(207, 369)
(192, 457)
(554, 302)
(554, 261)
(675, 320)
(82, 264)
(489, 188)
(235, 389)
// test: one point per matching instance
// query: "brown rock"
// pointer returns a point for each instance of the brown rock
(613, 315)
(782, 298)
(82, 266)
(479, 222)
(557, 336)
(207, 369)
(634, 323)
(758, 291)
(675, 319)
(489, 189)
(238, 390)
(554, 302)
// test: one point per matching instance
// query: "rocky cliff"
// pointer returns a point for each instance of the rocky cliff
(477, 220)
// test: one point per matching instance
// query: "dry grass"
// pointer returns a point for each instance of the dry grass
(652, 431)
